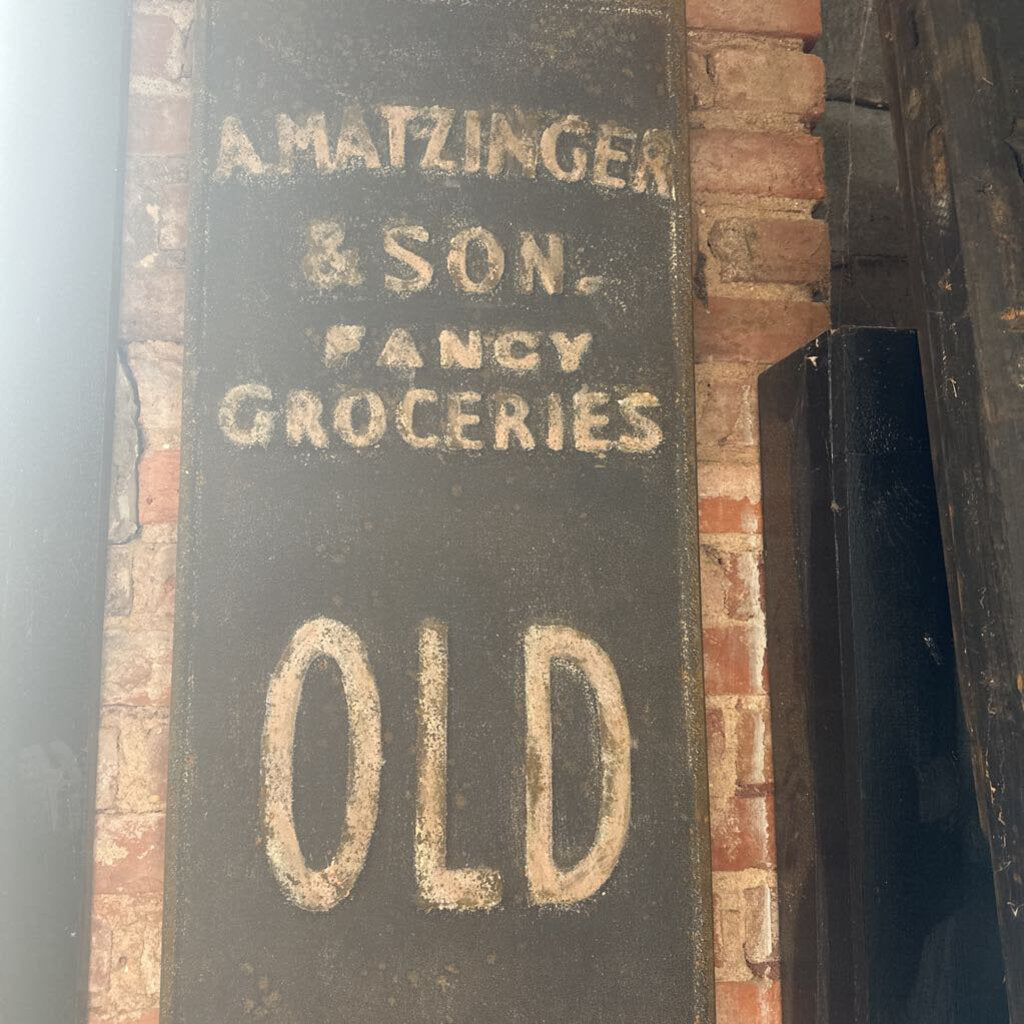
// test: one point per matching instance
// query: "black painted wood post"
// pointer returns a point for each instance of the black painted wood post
(885, 883)
(957, 70)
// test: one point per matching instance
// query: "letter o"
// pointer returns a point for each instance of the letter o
(458, 256)
(376, 419)
(309, 889)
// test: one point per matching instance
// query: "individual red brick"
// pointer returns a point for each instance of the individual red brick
(731, 584)
(156, 368)
(153, 581)
(701, 88)
(732, 478)
(726, 406)
(760, 930)
(141, 766)
(158, 486)
(756, 330)
(148, 182)
(780, 81)
(727, 920)
(719, 926)
(106, 767)
(156, 46)
(129, 853)
(152, 303)
(724, 514)
(729, 496)
(774, 250)
(789, 166)
(158, 125)
(99, 956)
(799, 19)
(748, 1002)
(742, 833)
(118, 601)
(174, 217)
(717, 743)
(137, 667)
(753, 751)
(734, 661)
(132, 989)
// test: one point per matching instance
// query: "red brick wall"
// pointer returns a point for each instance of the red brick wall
(761, 267)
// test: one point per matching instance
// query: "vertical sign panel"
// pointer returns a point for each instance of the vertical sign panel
(438, 728)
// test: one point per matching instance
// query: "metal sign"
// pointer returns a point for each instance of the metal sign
(438, 731)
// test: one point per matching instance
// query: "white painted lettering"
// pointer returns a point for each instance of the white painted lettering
(606, 154)
(534, 263)
(355, 145)
(568, 147)
(517, 350)
(556, 423)
(341, 341)
(586, 419)
(241, 397)
(437, 137)
(510, 421)
(548, 883)
(474, 147)
(570, 349)
(406, 416)
(398, 119)
(292, 138)
(654, 164)
(453, 351)
(324, 889)
(400, 352)
(372, 411)
(326, 264)
(513, 139)
(647, 434)
(458, 419)
(568, 125)
(302, 419)
(458, 260)
(236, 152)
(422, 269)
(439, 885)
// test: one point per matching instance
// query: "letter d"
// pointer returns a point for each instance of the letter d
(547, 882)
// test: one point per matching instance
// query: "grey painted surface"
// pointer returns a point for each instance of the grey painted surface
(385, 538)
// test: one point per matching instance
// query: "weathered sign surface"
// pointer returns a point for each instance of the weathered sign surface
(438, 733)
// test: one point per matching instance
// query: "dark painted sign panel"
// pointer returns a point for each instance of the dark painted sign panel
(438, 732)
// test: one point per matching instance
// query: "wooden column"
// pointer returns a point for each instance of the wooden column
(958, 88)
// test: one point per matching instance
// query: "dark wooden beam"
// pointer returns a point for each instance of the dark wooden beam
(886, 909)
(957, 70)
